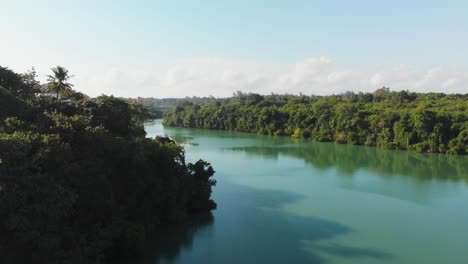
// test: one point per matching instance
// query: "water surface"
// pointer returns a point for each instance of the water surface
(283, 200)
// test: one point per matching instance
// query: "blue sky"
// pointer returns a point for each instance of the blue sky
(261, 46)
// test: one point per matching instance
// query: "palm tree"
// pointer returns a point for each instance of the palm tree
(58, 82)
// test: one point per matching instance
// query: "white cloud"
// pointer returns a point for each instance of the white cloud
(222, 77)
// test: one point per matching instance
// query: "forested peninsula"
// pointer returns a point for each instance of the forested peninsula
(423, 122)
(79, 181)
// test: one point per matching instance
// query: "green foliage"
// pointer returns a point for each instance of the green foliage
(58, 82)
(79, 182)
(9, 104)
(430, 122)
(158, 106)
(117, 116)
(22, 86)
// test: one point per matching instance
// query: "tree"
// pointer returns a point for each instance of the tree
(30, 81)
(18, 85)
(58, 82)
(422, 122)
(80, 183)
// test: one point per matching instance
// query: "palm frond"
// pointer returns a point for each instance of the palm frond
(58, 82)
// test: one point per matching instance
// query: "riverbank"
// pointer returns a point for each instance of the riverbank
(426, 123)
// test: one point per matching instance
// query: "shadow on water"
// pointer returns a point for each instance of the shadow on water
(176, 239)
(250, 227)
(351, 252)
(348, 159)
(173, 240)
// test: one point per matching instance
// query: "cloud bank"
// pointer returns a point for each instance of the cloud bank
(222, 77)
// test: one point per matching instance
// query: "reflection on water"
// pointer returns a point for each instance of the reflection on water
(179, 238)
(349, 159)
(173, 240)
(346, 158)
(284, 200)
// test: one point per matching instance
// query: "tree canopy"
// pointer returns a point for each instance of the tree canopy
(80, 182)
(430, 122)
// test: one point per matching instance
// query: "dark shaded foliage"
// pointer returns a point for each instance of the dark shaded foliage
(18, 85)
(80, 183)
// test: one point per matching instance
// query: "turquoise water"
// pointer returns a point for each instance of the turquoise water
(282, 200)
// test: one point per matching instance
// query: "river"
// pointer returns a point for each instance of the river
(284, 200)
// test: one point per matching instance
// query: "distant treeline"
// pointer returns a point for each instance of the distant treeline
(424, 122)
(159, 106)
(80, 182)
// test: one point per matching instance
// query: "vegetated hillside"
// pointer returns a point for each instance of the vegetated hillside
(80, 183)
(159, 106)
(171, 102)
(431, 122)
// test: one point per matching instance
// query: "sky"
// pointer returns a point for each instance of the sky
(185, 48)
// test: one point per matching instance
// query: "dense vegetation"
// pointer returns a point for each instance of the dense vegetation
(79, 182)
(432, 122)
(159, 106)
